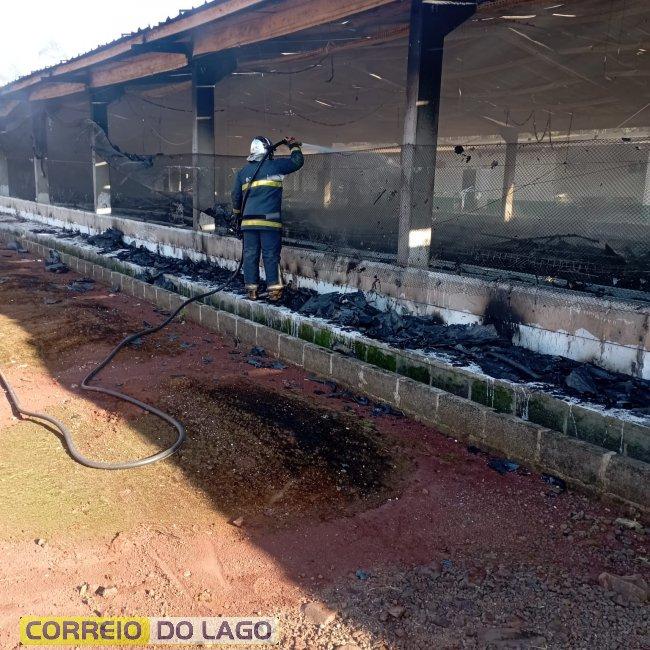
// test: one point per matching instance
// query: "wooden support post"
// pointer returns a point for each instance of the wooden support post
(327, 179)
(203, 142)
(101, 169)
(645, 201)
(206, 73)
(39, 148)
(223, 172)
(4, 174)
(509, 172)
(429, 25)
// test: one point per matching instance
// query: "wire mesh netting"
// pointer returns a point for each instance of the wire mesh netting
(572, 209)
(576, 209)
(69, 167)
(16, 144)
(344, 201)
(347, 200)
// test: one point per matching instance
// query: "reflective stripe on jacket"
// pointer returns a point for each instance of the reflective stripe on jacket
(264, 202)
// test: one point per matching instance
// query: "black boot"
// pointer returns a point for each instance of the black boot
(275, 293)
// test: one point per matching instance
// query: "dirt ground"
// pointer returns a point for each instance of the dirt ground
(407, 536)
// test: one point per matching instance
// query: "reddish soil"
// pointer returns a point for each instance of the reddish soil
(324, 487)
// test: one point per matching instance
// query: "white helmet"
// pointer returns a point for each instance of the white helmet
(259, 146)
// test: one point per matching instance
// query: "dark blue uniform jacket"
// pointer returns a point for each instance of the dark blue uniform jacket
(264, 203)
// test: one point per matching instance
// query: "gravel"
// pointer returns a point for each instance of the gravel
(472, 606)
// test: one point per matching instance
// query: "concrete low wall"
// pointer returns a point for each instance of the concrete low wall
(581, 464)
(614, 334)
(608, 428)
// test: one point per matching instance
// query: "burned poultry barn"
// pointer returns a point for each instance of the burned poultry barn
(473, 212)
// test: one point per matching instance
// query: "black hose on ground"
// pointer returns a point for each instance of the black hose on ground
(85, 384)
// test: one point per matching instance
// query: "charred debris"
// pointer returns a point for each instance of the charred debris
(487, 346)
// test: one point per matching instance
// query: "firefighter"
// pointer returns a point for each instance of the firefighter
(261, 223)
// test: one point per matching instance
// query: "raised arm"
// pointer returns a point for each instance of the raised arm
(295, 161)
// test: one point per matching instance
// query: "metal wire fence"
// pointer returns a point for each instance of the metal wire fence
(576, 210)
(579, 210)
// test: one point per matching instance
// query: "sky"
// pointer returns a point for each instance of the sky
(39, 33)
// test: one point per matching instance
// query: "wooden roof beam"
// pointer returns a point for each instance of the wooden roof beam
(233, 28)
(214, 12)
(56, 89)
(378, 38)
(20, 85)
(137, 67)
(282, 18)
(7, 106)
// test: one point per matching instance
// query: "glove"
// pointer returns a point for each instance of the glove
(292, 142)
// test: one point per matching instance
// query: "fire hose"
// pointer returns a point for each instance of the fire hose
(86, 383)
